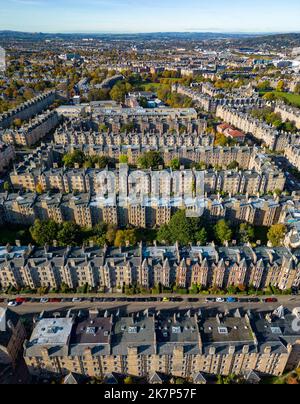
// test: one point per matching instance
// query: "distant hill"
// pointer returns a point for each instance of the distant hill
(141, 36)
(246, 40)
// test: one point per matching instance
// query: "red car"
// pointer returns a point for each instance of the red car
(21, 300)
(54, 300)
(271, 300)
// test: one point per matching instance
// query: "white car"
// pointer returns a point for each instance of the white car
(12, 304)
(220, 300)
(44, 300)
(77, 300)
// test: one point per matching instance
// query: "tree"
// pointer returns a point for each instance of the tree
(221, 140)
(39, 189)
(118, 92)
(264, 86)
(233, 165)
(111, 234)
(175, 164)
(17, 123)
(69, 234)
(180, 229)
(44, 232)
(246, 233)
(280, 86)
(125, 237)
(276, 234)
(70, 159)
(6, 186)
(223, 231)
(201, 236)
(270, 96)
(297, 89)
(123, 159)
(163, 235)
(151, 159)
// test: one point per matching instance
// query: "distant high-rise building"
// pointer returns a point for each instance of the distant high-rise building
(2, 60)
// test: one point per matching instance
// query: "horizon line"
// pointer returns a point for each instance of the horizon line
(191, 31)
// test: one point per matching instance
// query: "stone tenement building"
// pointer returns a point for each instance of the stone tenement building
(210, 156)
(272, 138)
(67, 136)
(208, 101)
(7, 155)
(32, 132)
(157, 124)
(100, 112)
(136, 120)
(292, 153)
(182, 345)
(87, 210)
(143, 183)
(289, 114)
(12, 337)
(28, 109)
(110, 269)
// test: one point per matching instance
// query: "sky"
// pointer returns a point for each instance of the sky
(128, 16)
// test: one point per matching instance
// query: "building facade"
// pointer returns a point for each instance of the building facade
(112, 269)
(180, 345)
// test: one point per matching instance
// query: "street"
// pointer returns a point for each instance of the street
(288, 302)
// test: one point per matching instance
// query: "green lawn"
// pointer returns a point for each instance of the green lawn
(149, 86)
(293, 98)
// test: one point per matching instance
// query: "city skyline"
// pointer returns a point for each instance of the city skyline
(120, 16)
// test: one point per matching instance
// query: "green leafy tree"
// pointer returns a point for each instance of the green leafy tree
(223, 232)
(164, 236)
(151, 159)
(246, 233)
(6, 186)
(70, 159)
(180, 229)
(123, 159)
(69, 234)
(44, 232)
(276, 234)
(233, 165)
(175, 164)
(124, 237)
(201, 236)
(280, 86)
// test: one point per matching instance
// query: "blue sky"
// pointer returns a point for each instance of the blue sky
(150, 15)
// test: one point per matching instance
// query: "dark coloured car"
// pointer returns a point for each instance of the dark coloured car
(254, 300)
(210, 300)
(176, 299)
(193, 300)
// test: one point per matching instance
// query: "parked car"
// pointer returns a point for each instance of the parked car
(77, 300)
(220, 300)
(44, 300)
(13, 303)
(271, 300)
(55, 300)
(21, 300)
(210, 300)
(232, 300)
